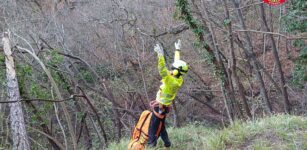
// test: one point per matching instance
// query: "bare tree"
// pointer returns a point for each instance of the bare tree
(19, 133)
(233, 61)
(287, 107)
(252, 58)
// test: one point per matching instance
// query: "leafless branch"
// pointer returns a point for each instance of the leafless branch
(42, 100)
(233, 9)
(274, 33)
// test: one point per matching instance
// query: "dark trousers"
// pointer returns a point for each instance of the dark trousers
(157, 124)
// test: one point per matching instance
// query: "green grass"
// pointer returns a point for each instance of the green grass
(281, 132)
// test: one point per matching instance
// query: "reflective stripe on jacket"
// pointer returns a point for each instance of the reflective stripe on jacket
(170, 84)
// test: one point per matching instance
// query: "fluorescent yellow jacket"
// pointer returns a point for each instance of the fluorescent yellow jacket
(170, 84)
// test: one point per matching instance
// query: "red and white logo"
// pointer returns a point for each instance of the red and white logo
(274, 2)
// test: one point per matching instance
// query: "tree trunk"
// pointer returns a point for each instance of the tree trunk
(218, 65)
(252, 58)
(233, 63)
(175, 116)
(228, 91)
(94, 109)
(278, 64)
(19, 133)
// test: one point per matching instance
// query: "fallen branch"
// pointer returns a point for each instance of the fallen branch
(48, 136)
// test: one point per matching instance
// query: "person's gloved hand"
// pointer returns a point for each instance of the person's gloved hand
(153, 104)
(178, 45)
(159, 50)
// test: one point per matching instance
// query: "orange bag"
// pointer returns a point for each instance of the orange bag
(139, 137)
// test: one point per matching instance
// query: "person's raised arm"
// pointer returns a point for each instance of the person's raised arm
(177, 51)
(161, 61)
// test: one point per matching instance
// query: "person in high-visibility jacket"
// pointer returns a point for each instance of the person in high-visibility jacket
(171, 82)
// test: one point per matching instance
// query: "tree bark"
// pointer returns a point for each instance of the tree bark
(19, 133)
(278, 64)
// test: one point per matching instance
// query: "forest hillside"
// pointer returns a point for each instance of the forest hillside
(77, 74)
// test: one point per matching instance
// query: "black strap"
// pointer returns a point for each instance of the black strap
(144, 121)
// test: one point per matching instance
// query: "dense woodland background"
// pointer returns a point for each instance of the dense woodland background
(86, 68)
